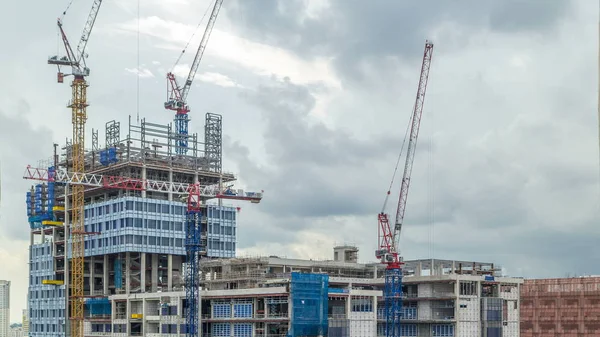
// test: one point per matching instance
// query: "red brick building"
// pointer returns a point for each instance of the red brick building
(565, 307)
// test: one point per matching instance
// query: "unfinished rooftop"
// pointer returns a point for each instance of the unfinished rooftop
(251, 272)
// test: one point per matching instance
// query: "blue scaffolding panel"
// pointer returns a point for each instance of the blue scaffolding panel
(98, 306)
(29, 202)
(309, 297)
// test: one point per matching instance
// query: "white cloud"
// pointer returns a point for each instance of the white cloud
(259, 58)
(181, 70)
(142, 72)
(217, 79)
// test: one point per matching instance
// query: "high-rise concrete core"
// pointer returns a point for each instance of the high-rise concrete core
(4, 308)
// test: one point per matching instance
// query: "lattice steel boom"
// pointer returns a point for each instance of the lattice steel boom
(389, 238)
(134, 184)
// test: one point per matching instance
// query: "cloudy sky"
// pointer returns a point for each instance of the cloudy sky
(316, 96)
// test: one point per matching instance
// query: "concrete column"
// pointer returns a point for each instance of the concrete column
(348, 302)
(456, 303)
(375, 311)
(154, 272)
(105, 279)
(169, 272)
(143, 273)
(144, 178)
(91, 280)
(170, 180)
(128, 307)
(127, 273)
(143, 316)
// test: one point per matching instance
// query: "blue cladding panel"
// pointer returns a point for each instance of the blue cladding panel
(494, 315)
(494, 332)
(309, 305)
(221, 310)
(46, 303)
(221, 330)
(408, 330)
(409, 313)
(242, 330)
(242, 310)
(442, 330)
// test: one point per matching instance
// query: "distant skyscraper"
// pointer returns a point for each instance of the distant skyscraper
(4, 308)
(25, 323)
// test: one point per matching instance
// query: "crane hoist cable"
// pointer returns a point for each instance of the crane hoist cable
(66, 10)
(192, 37)
(387, 195)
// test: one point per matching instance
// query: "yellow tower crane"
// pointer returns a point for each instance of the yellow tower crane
(78, 106)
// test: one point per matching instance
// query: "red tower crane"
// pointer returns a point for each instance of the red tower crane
(389, 238)
(177, 96)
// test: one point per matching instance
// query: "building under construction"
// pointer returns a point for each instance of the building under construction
(275, 296)
(135, 241)
(561, 307)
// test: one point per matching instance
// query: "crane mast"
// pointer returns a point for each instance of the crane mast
(177, 96)
(389, 238)
(78, 106)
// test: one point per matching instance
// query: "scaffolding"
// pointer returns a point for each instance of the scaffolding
(309, 295)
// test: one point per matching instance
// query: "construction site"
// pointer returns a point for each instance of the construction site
(136, 236)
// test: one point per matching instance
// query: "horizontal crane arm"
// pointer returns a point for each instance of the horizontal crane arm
(104, 181)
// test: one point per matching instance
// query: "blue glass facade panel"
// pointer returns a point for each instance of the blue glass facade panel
(242, 310)
(221, 231)
(221, 329)
(221, 310)
(442, 330)
(242, 330)
(46, 303)
(133, 224)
